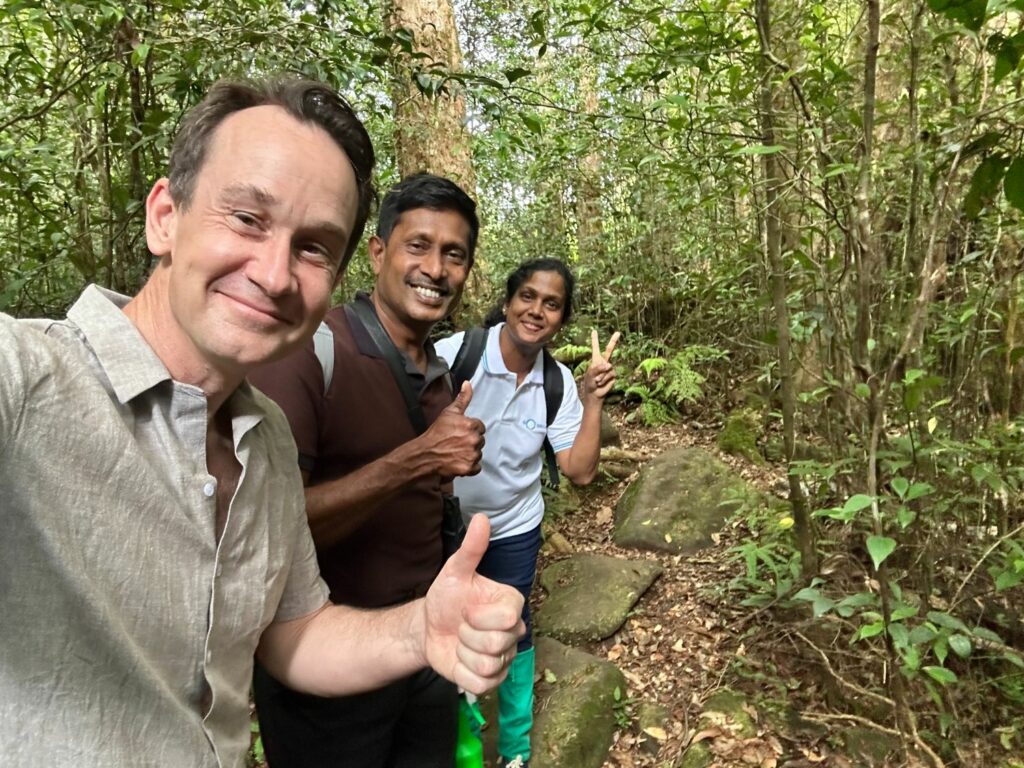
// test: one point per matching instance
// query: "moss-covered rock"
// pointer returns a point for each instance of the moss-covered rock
(696, 756)
(732, 706)
(867, 746)
(740, 434)
(590, 596)
(725, 709)
(680, 498)
(651, 726)
(576, 703)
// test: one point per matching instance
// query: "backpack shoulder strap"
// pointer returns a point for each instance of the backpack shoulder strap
(364, 313)
(468, 357)
(323, 348)
(554, 388)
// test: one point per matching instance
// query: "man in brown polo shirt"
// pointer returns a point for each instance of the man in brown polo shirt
(373, 485)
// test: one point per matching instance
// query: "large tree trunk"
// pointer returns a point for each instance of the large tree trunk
(773, 221)
(430, 120)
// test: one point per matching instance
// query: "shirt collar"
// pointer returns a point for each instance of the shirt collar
(246, 411)
(495, 363)
(436, 367)
(130, 364)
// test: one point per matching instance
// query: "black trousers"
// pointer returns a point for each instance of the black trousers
(411, 723)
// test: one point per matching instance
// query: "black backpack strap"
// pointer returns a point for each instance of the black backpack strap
(468, 357)
(554, 388)
(369, 320)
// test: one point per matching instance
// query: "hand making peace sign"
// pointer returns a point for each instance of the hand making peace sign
(600, 376)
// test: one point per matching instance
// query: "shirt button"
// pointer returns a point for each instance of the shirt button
(209, 489)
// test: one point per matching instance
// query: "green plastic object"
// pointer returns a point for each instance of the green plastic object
(469, 751)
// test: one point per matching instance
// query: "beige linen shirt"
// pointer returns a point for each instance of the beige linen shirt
(127, 631)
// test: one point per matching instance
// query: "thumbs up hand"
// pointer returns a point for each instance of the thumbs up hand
(454, 442)
(471, 623)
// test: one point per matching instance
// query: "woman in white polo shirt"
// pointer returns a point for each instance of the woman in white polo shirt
(508, 396)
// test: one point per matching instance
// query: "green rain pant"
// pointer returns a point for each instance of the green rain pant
(515, 707)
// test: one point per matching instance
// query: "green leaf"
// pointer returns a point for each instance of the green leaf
(903, 612)
(139, 54)
(549, 677)
(516, 73)
(835, 170)
(921, 634)
(760, 149)
(940, 675)
(857, 502)
(1008, 579)
(862, 390)
(969, 13)
(869, 630)
(880, 547)
(947, 621)
(1013, 184)
(905, 516)
(900, 485)
(533, 122)
(1007, 60)
(848, 605)
(984, 184)
(987, 634)
(961, 645)
(912, 657)
(917, 490)
(820, 604)
(899, 635)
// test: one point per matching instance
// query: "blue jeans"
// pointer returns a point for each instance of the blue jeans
(513, 561)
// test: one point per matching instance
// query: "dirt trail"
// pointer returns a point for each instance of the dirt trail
(677, 647)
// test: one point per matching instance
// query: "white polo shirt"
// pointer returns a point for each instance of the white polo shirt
(507, 489)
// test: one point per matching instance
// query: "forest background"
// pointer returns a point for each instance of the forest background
(807, 213)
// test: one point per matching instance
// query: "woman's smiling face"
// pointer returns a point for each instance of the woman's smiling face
(534, 314)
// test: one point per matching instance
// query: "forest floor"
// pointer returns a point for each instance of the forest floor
(688, 637)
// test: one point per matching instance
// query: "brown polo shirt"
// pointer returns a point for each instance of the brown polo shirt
(396, 553)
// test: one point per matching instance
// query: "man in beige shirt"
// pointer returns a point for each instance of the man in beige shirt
(153, 534)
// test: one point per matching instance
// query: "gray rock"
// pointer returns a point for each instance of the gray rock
(609, 432)
(680, 498)
(576, 703)
(589, 596)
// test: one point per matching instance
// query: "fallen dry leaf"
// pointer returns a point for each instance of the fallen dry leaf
(707, 733)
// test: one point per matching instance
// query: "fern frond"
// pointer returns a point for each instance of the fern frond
(650, 365)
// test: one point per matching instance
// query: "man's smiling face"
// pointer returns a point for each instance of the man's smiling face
(251, 261)
(422, 267)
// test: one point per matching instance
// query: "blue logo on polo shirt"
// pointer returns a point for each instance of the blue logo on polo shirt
(531, 425)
